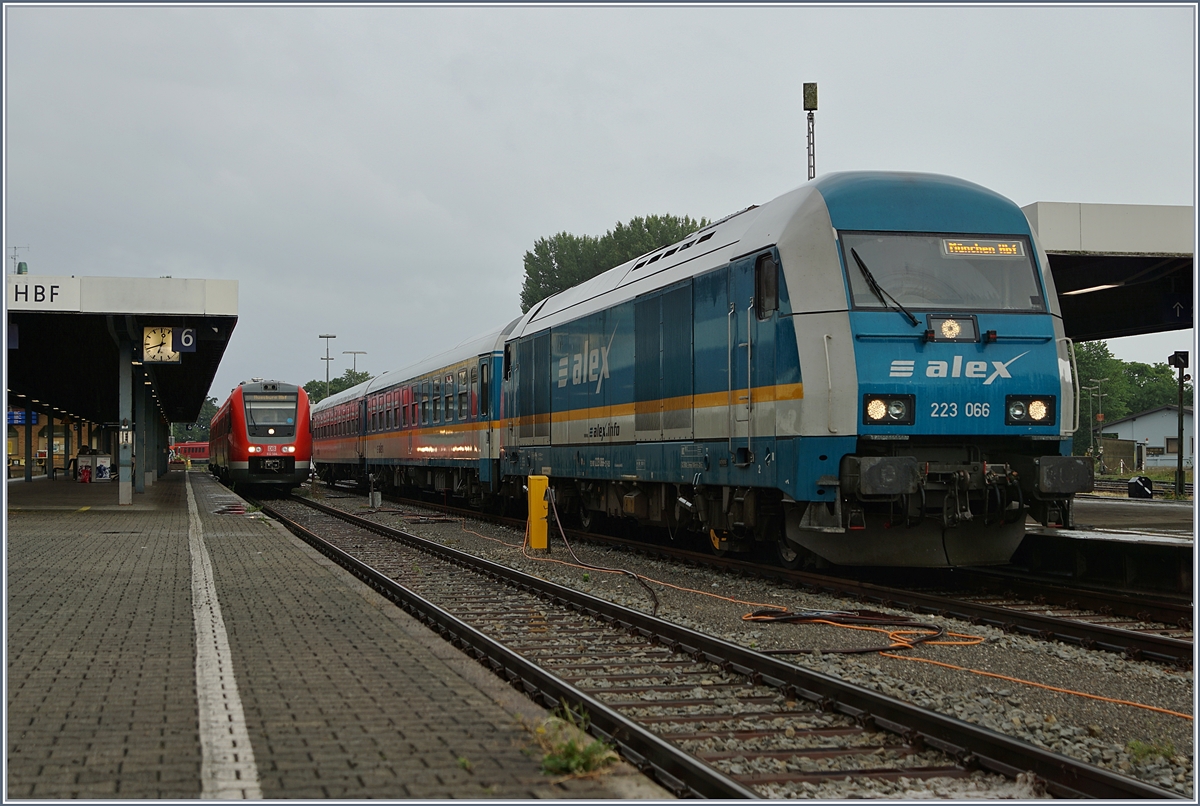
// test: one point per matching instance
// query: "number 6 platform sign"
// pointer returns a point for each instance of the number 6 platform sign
(183, 339)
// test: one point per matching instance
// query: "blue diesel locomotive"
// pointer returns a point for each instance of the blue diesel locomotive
(870, 369)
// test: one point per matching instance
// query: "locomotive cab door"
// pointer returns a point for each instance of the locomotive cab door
(753, 310)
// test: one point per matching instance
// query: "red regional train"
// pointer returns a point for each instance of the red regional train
(261, 436)
(196, 451)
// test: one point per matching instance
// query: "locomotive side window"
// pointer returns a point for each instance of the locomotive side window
(766, 285)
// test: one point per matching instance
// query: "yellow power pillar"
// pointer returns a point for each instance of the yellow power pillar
(539, 511)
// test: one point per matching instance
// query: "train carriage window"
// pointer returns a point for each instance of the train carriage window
(474, 391)
(437, 401)
(449, 398)
(425, 403)
(462, 394)
(766, 286)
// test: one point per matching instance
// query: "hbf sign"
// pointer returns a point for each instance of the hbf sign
(27, 293)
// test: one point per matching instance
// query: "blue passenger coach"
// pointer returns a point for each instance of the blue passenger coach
(870, 370)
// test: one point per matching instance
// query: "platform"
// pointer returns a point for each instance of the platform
(303, 683)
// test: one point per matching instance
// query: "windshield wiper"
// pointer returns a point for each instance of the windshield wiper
(878, 291)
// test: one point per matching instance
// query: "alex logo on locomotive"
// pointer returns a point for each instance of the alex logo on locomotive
(586, 366)
(903, 368)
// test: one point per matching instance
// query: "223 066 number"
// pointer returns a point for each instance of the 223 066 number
(951, 409)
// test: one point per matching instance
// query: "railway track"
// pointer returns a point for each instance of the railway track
(703, 716)
(1162, 489)
(1140, 627)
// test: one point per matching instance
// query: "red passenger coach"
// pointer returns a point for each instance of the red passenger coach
(261, 436)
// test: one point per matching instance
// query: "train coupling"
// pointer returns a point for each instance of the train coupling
(876, 476)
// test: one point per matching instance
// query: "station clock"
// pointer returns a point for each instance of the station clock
(156, 346)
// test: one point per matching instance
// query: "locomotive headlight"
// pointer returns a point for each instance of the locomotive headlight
(289, 448)
(270, 430)
(1029, 410)
(254, 449)
(888, 409)
(950, 329)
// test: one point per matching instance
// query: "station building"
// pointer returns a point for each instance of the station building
(1154, 435)
(98, 367)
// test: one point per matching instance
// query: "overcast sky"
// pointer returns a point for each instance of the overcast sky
(379, 172)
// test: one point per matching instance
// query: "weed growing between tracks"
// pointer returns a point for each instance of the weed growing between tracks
(1141, 751)
(568, 749)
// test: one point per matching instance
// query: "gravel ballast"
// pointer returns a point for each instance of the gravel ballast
(1155, 747)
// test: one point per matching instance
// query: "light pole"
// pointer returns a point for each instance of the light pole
(1091, 419)
(1180, 361)
(810, 106)
(356, 354)
(327, 359)
(1100, 417)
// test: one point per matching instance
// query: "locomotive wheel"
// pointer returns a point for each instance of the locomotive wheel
(590, 519)
(786, 554)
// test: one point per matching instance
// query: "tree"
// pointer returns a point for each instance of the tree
(565, 260)
(197, 431)
(1126, 387)
(316, 387)
(1154, 385)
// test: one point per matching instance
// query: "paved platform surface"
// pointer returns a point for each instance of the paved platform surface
(303, 683)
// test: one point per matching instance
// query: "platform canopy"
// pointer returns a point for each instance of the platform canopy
(1120, 269)
(64, 338)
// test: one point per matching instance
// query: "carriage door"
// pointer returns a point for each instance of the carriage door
(481, 390)
(751, 344)
(362, 428)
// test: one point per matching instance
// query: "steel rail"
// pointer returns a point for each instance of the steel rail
(675, 769)
(971, 745)
(1162, 609)
(1130, 643)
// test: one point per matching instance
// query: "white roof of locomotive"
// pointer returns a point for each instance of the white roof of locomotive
(733, 236)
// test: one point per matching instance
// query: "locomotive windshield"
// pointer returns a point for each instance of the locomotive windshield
(271, 415)
(943, 272)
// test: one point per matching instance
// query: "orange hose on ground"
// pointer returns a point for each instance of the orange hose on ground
(1039, 685)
